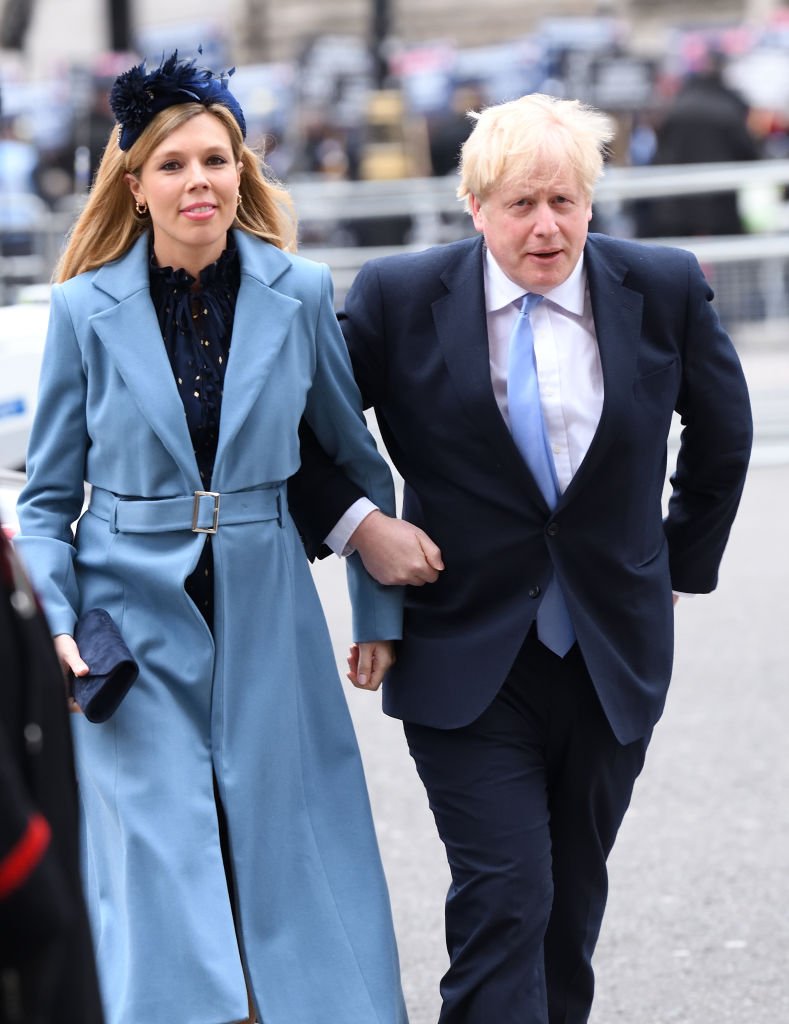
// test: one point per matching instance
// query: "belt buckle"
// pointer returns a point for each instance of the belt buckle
(196, 512)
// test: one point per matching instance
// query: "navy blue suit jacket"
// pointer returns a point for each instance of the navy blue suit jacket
(416, 330)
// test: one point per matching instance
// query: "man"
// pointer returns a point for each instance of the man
(534, 669)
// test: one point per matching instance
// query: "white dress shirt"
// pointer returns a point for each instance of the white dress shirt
(568, 369)
(568, 360)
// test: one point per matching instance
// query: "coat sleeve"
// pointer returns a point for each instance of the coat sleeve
(715, 445)
(25, 868)
(334, 413)
(319, 494)
(54, 494)
(31, 893)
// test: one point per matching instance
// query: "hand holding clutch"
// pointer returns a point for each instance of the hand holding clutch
(112, 667)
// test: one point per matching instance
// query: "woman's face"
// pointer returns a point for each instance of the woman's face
(190, 185)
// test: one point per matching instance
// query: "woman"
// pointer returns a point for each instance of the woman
(177, 301)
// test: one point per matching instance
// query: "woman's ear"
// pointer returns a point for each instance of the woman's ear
(134, 186)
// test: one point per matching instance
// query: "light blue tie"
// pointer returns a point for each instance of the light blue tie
(554, 627)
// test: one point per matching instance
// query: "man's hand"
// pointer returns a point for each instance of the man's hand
(369, 662)
(71, 663)
(396, 552)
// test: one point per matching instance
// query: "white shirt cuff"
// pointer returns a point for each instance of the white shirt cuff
(339, 540)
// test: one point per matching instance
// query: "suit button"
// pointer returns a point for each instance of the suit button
(534, 592)
(552, 529)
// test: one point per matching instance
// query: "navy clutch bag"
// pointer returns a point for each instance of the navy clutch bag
(112, 667)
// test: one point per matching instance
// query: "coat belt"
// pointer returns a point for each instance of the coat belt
(201, 512)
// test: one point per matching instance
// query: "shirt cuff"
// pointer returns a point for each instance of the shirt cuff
(339, 540)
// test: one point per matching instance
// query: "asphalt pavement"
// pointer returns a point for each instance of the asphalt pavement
(697, 928)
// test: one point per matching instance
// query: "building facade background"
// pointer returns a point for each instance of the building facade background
(67, 31)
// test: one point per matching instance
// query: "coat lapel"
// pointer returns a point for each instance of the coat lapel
(617, 311)
(467, 355)
(262, 321)
(129, 331)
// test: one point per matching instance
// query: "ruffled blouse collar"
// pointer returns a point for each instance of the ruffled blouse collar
(197, 325)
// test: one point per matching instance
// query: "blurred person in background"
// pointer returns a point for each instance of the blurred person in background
(233, 871)
(20, 205)
(707, 122)
(47, 970)
(524, 382)
(449, 129)
(18, 159)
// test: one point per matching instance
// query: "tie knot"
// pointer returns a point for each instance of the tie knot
(530, 300)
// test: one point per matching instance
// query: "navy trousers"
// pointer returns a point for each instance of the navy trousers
(527, 801)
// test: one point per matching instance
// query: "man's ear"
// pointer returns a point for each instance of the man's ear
(476, 212)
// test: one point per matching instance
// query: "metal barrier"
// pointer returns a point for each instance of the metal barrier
(31, 237)
(749, 272)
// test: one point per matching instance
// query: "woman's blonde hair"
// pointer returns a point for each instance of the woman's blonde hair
(108, 225)
(523, 139)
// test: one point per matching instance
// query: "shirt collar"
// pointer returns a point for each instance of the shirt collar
(500, 291)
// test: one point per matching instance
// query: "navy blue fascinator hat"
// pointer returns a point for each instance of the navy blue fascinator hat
(137, 96)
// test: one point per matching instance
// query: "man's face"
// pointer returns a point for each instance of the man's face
(536, 230)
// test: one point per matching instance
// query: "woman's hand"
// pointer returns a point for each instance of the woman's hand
(369, 662)
(71, 663)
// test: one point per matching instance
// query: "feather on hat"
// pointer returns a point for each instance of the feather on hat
(137, 96)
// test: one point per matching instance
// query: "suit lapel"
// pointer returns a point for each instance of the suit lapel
(467, 355)
(129, 331)
(262, 321)
(617, 311)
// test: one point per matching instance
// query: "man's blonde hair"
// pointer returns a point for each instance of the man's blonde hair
(108, 225)
(520, 139)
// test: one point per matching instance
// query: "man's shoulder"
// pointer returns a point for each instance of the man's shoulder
(646, 260)
(425, 264)
(633, 251)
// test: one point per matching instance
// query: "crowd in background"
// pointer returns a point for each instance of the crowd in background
(325, 116)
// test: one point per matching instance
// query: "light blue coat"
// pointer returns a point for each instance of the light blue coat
(259, 705)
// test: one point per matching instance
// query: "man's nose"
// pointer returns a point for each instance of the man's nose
(544, 220)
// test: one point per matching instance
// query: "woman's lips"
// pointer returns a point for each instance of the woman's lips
(203, 211)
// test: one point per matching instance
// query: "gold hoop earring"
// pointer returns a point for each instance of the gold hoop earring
(141, 207)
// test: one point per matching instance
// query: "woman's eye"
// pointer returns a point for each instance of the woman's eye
(170, 165)
(217, 160)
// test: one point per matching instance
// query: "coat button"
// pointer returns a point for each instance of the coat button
(534, 591)
(552, 529)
